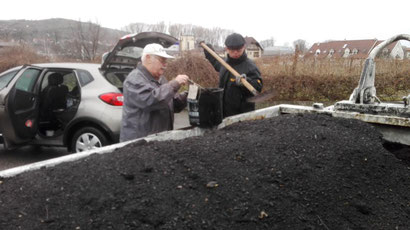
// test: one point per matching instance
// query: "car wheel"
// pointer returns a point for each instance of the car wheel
(87, 138)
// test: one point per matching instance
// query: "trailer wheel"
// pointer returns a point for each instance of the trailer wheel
(87, 138)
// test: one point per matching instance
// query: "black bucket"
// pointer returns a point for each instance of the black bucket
(206, 109)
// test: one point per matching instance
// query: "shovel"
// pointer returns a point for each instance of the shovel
(257, 96)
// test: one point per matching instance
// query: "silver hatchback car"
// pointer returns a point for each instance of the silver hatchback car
(75, 105)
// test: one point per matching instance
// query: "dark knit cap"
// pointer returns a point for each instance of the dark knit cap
(234, 41)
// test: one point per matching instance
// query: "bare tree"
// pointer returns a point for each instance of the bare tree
(5, 34)
(143, 27)
(300, 45)
(56, 36)
(159, 27)
(215, 36)
(86, 40)
(268, 42)
(175, 30)
(222, 35)
(19, 36)
(46, 44)
(136, 27)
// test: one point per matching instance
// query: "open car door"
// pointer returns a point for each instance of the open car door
(19, 116)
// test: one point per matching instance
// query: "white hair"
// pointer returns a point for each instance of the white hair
(143, 57)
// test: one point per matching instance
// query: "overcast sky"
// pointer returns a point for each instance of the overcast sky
(285, 21)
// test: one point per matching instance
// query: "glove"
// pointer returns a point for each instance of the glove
(238, 81)
(210, 46)
(207, 54)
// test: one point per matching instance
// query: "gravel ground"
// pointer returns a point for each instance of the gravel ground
(288, 172)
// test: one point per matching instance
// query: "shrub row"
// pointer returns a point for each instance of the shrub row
(307, 80)
(291, 78)
(19, 55)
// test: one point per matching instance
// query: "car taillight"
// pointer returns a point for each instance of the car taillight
(115, 99)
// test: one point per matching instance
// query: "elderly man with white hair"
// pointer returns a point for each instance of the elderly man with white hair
(149, 99)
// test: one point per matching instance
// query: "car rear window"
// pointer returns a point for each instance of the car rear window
(117, 78)
(133, 52)
(84, 76)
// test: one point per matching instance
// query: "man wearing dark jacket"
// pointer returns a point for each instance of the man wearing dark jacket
(235, 94)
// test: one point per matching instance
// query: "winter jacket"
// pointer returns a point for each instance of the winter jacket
(235, 97)
(149, 104)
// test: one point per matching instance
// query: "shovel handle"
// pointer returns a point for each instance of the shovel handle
(230, 69)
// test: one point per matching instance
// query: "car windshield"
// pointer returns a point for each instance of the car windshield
(132, 52)
(6, 78)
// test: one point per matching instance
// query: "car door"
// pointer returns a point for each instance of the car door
(21, 110)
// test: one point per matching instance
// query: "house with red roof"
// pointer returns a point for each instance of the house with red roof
(356, 49)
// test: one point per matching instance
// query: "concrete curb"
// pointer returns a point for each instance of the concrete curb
(163, 136)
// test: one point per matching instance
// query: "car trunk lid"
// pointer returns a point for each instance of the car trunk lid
(128, 51)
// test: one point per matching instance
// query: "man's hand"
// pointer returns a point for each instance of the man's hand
(238, 81)
(207, 44)
(207, 54)
(182, 79)
(210, 46)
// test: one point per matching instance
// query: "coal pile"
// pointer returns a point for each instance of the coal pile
(288, 172)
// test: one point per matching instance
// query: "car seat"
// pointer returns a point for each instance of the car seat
(53, 100)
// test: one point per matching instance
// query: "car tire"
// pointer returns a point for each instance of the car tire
(87, 138)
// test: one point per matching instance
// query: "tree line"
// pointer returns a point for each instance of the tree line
(86, 41)
(215, 36)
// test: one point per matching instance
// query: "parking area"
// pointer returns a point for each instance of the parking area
(31, 154)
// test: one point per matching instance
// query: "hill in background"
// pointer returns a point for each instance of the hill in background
(60, 39)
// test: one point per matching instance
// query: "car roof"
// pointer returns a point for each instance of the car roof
(68, 65)
(71, 65)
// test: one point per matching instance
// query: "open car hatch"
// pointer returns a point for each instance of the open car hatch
(128, 51)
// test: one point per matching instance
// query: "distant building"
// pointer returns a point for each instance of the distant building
(359, 49)
(277, 51)
(407, 52)
(253, 48)
(187, 42)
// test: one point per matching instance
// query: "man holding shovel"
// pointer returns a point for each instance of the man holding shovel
(235, 94)
(149, 99)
